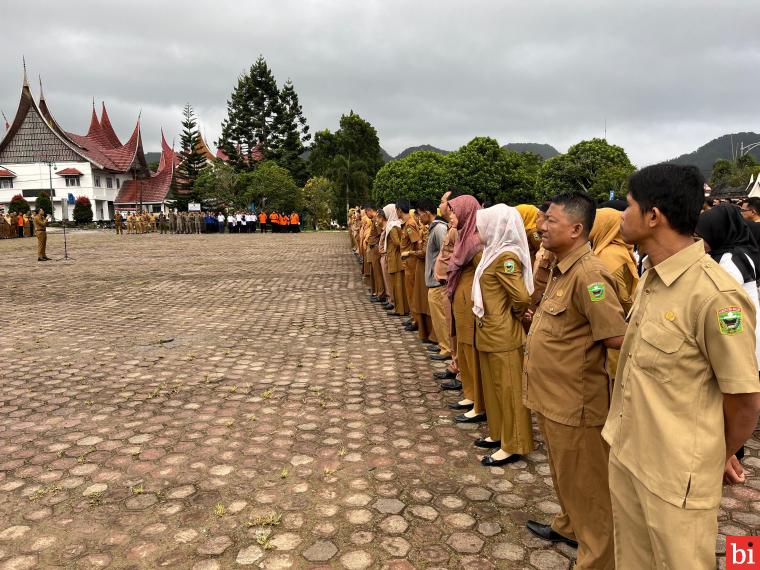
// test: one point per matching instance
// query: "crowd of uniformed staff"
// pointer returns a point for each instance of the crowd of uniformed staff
(240, 222)
(627, 331)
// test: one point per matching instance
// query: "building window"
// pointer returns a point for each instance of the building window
(97, 182)
(109, 182)
(118, 183)
(72, 181)
(6, 182)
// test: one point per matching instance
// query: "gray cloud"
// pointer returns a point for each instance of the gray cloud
(666, 77)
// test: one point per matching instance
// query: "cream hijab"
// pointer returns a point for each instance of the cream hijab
(501, 228)
(393, 222)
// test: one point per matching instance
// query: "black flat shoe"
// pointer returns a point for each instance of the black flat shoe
(453, 385)
(428, 341)
(462, 419)
(388, 307)
(433, 348)
(445, 375)
(545, 531)
(440, 357)
(489, 461)
(408, 322)
(482, 442)
(460, 407)
(412, 328)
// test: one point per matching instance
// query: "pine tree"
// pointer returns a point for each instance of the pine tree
(192, 161)
(252, 109)
(292, 134)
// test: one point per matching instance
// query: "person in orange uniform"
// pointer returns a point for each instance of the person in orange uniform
(274, 221)
(20, 224)
(284, 223)
(295, 223)
(262, 221)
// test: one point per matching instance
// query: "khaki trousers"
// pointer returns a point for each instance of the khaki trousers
(578, 458)
(508, 420)
(386, 278)
(409, 275)
(652, 533)
(378, 284)
(399, 295)
(436, 296)
(469, 368)
(41, 243)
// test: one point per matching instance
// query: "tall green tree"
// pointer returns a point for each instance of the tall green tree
(477, 168)
(218, 189)
(519, 178)
(191, 161)
(594, 166)
(734, 174)
(43, 201)
(251, 122)
(421, 174)
(270, 186)
(352, 181)
(318, 202)
(292, 134)
(322, 152)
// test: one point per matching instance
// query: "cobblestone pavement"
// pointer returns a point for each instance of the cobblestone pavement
(223, 401)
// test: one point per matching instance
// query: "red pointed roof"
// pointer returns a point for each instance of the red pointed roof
(5, 173)
(154, 189)
(69, 172)
(95, 133)
(105, 124)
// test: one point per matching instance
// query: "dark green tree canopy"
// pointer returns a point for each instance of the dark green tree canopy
(18, 205)
(421, 174)
(270, 187)
(43, 201)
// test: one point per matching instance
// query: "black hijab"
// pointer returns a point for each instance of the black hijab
(725, 231)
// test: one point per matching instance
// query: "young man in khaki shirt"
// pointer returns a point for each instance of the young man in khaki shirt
(566, 383)
(686, 394)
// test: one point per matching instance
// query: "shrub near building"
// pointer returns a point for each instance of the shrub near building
(82, 210)
(18, 205)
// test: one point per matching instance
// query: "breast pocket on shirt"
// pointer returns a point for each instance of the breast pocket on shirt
(554, 317)
(657, 351)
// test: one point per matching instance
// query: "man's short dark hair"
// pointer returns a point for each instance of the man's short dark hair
(403, 205)
(454, 192)
(545, 206)
(579, 205)
(369, 206)
(753, 204)
(427, 205)
(678, 191)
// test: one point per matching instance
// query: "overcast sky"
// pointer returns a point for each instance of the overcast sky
(667, 76)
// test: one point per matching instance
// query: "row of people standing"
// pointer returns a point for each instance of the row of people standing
(16, 225)
(205, 222)
(638, 439)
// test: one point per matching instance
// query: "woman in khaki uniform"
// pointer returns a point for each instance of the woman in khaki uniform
(501, 295)
(393, 257)
(382, 221)
(608, 245)
(529, 215)
(424, 322)
(464, 260)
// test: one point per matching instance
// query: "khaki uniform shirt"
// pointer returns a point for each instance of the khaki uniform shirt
(410, 237)
(564, 375)
(690, 339)
(505, 300)
(461, 304)
(393, 255)
(40, 223)
(441, 269)
(373, 238)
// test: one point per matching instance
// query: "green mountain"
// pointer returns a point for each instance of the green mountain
(706, 155)
(411, 149)
(543, 150)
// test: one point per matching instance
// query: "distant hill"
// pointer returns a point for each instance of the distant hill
(411, 149)
(386, 157)
(152, 157)
(706, 155)
(544, 150)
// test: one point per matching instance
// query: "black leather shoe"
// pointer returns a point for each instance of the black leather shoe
(482, 442)
(545, 531)
(427, 341)
(433, 348)
(408, 322)
(412, 328)
(462, 419)
(489, 461)
(440, 357)
(388, 307)
(462, 407)
(453, 385)
(445, 375)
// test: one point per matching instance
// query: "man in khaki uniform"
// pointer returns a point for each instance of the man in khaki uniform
(372, 256)
(566, 383)
(410, 241)
(40, 228)
(437, 228)
(117, 221)
(687, 388)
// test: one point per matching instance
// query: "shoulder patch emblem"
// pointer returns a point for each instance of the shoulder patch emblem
(409, 231)
(596, 291)
(509, 266)
(730, 320)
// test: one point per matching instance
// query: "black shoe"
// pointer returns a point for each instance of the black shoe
(40, 259)
(433, 348)
(388, 307)
(486, 444)
(489, 461)
(373, 299)
(462, 407)
(462, 419)
(408, 322)
(428, 341)
(440, 357)
(412, 328)
(445, 375)
(453, 385)
(545, 531)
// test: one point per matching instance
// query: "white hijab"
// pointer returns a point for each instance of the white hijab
(502, 229)
(393, 222)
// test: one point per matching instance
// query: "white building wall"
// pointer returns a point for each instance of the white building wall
(36, 176)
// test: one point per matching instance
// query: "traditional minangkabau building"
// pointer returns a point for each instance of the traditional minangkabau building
(37, 155)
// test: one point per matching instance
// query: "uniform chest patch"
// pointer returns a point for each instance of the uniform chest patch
(596, 292)
(409, 231)
(509, 266)
(730, 320)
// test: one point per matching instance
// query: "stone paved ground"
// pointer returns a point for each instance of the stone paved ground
(223, 401)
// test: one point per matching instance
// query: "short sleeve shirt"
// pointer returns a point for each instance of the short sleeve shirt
(564, 374)
(441, 268)
(410, 236)
(690, 339)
